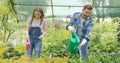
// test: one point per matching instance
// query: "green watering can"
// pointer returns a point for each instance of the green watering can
(73, 44)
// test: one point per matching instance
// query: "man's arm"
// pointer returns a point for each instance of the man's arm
(70, 24)
(89, 30)
(88, 33)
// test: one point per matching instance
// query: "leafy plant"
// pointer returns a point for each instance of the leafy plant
(11, 52)
(56, 44)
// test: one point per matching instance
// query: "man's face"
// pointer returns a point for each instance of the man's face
(86, 13)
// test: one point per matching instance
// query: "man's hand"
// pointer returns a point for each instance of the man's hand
(71, 29)
(80, 45)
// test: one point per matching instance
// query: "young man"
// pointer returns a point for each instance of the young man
(83, 25)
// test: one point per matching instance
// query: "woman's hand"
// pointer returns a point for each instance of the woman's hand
(40, 37)
(27, 36)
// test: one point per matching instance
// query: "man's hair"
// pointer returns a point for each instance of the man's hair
(88, 6)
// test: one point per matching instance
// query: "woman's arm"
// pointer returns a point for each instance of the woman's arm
(28, 26)
(44, 29)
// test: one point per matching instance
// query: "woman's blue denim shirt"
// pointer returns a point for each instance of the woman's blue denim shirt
(87, 25)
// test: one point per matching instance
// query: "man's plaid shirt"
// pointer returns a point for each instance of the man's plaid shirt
(87, 26)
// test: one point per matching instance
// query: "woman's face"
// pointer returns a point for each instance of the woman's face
(37, 14)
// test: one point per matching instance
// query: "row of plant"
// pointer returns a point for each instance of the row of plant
(103, 46)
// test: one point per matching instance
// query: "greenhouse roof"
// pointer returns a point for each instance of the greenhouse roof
(65, 8)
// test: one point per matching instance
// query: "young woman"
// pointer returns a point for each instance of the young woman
(36, 29)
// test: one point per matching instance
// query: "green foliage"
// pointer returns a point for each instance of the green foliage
(24, 59)
(11, 52)
(103, 46)
(3, 47)
(55, 43)
(118, 28)
(6, 14)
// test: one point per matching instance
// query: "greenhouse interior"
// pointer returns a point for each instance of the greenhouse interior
(59, 22)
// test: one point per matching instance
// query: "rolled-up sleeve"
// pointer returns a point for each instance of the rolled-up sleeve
(72, 19)
(89, 30)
